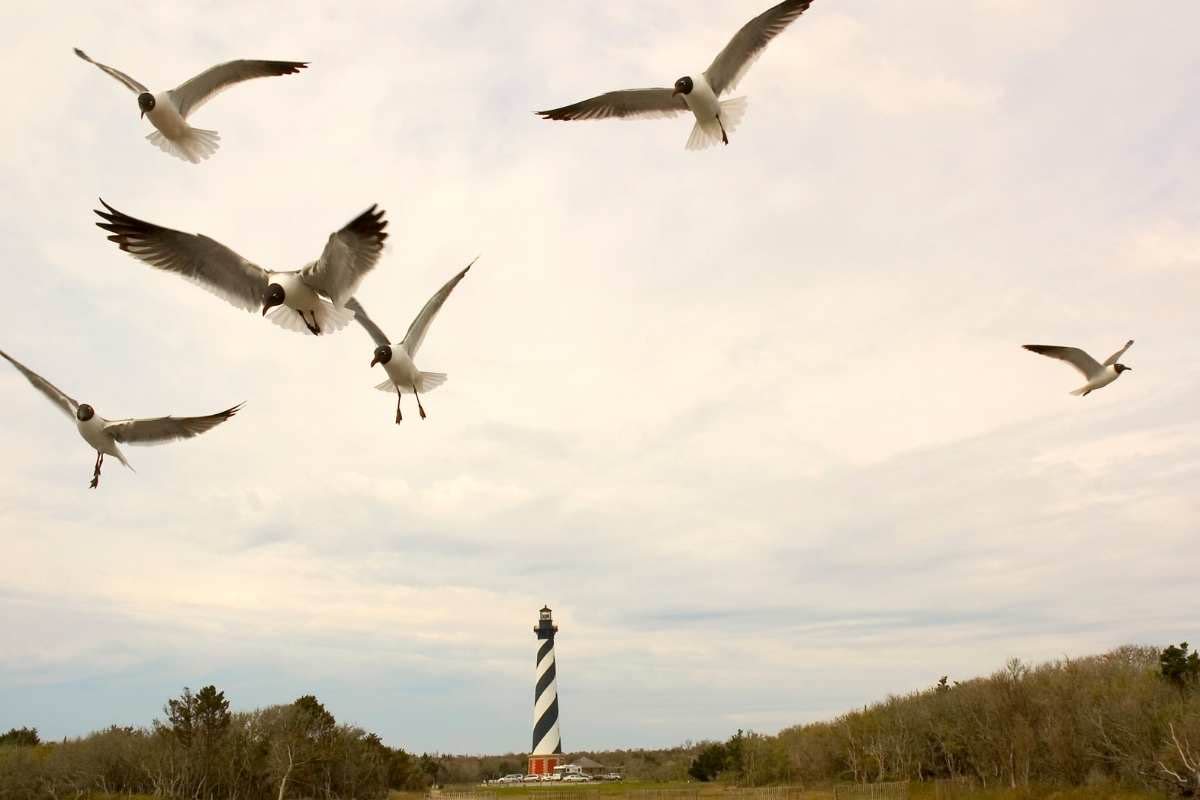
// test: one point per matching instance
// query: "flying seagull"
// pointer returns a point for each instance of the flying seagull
(700, 93)
(1098, 375)
(397, 359)
(104, 434)
(296, 296)
(168, 111)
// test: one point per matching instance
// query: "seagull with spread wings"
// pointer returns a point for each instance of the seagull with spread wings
(1098, 375)
(103, 435)
(700, 94)
(397, 359)
(294, 299)
(168, 111)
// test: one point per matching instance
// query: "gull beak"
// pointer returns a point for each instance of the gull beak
(142, 115)
(374, 361)
(675, 92)
(266, 309)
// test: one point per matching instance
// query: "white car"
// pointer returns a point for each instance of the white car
(576, 778)
(531, 778)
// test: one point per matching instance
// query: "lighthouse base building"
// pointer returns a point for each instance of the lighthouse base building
(546, 752)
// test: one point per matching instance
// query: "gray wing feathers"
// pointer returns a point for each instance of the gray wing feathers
(416, 331)
(747, 45)
(52, 392)
(1117, 355)
(165, 429)
(128, 82)
(623, 103)
(194, 93)
(349, 255)
(206, 261)
(1072, 355)
(374, 331)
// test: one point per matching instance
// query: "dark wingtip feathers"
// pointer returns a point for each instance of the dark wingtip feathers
(122, 226)
(370, 224)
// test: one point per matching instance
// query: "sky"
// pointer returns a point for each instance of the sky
(754, 421)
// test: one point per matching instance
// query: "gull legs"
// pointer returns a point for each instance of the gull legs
(96, 472)
(421, 408)
(312, 326)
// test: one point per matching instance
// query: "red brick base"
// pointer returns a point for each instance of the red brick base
(541, 765)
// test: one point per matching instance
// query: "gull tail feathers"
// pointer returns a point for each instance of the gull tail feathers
(194, 146)
(716, 131)
(1082, 391)
(329, 318)
(429, 382)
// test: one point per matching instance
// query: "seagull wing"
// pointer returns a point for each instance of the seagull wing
(349, 255)
(748, 44)
(623, 103)
(52, 392)
(416, 331)
(165, 429)
(198, 258)
(373, 330)
(192, 94)
(1072, 355)
(127, 81)
(1115, 357)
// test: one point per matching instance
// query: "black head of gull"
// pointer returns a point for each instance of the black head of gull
(274, 297)
(85, 412)
(383, 354)
(683, 86)
(145, 102)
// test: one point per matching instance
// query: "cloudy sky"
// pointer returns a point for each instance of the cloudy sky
(754, 421)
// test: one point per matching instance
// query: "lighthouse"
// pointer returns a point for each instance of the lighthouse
(547, 743)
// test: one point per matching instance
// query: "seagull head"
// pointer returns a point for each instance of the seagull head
(383, 354)
(1121, 368)
(274, 297)
(145, 102)
(85, 412)
(683, 86)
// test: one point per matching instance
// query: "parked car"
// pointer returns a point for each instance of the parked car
(531, 778)
(611, 776)
(575, 778)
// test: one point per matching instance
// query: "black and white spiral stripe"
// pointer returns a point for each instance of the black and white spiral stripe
(546, 738)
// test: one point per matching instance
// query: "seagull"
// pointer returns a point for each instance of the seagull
(104, 434)
(168, 111)
(295, 296)
(1098, 375)
(397, 359)
(696, 93)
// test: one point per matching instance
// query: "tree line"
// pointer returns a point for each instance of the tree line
(203, 751)
(1131, 716)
